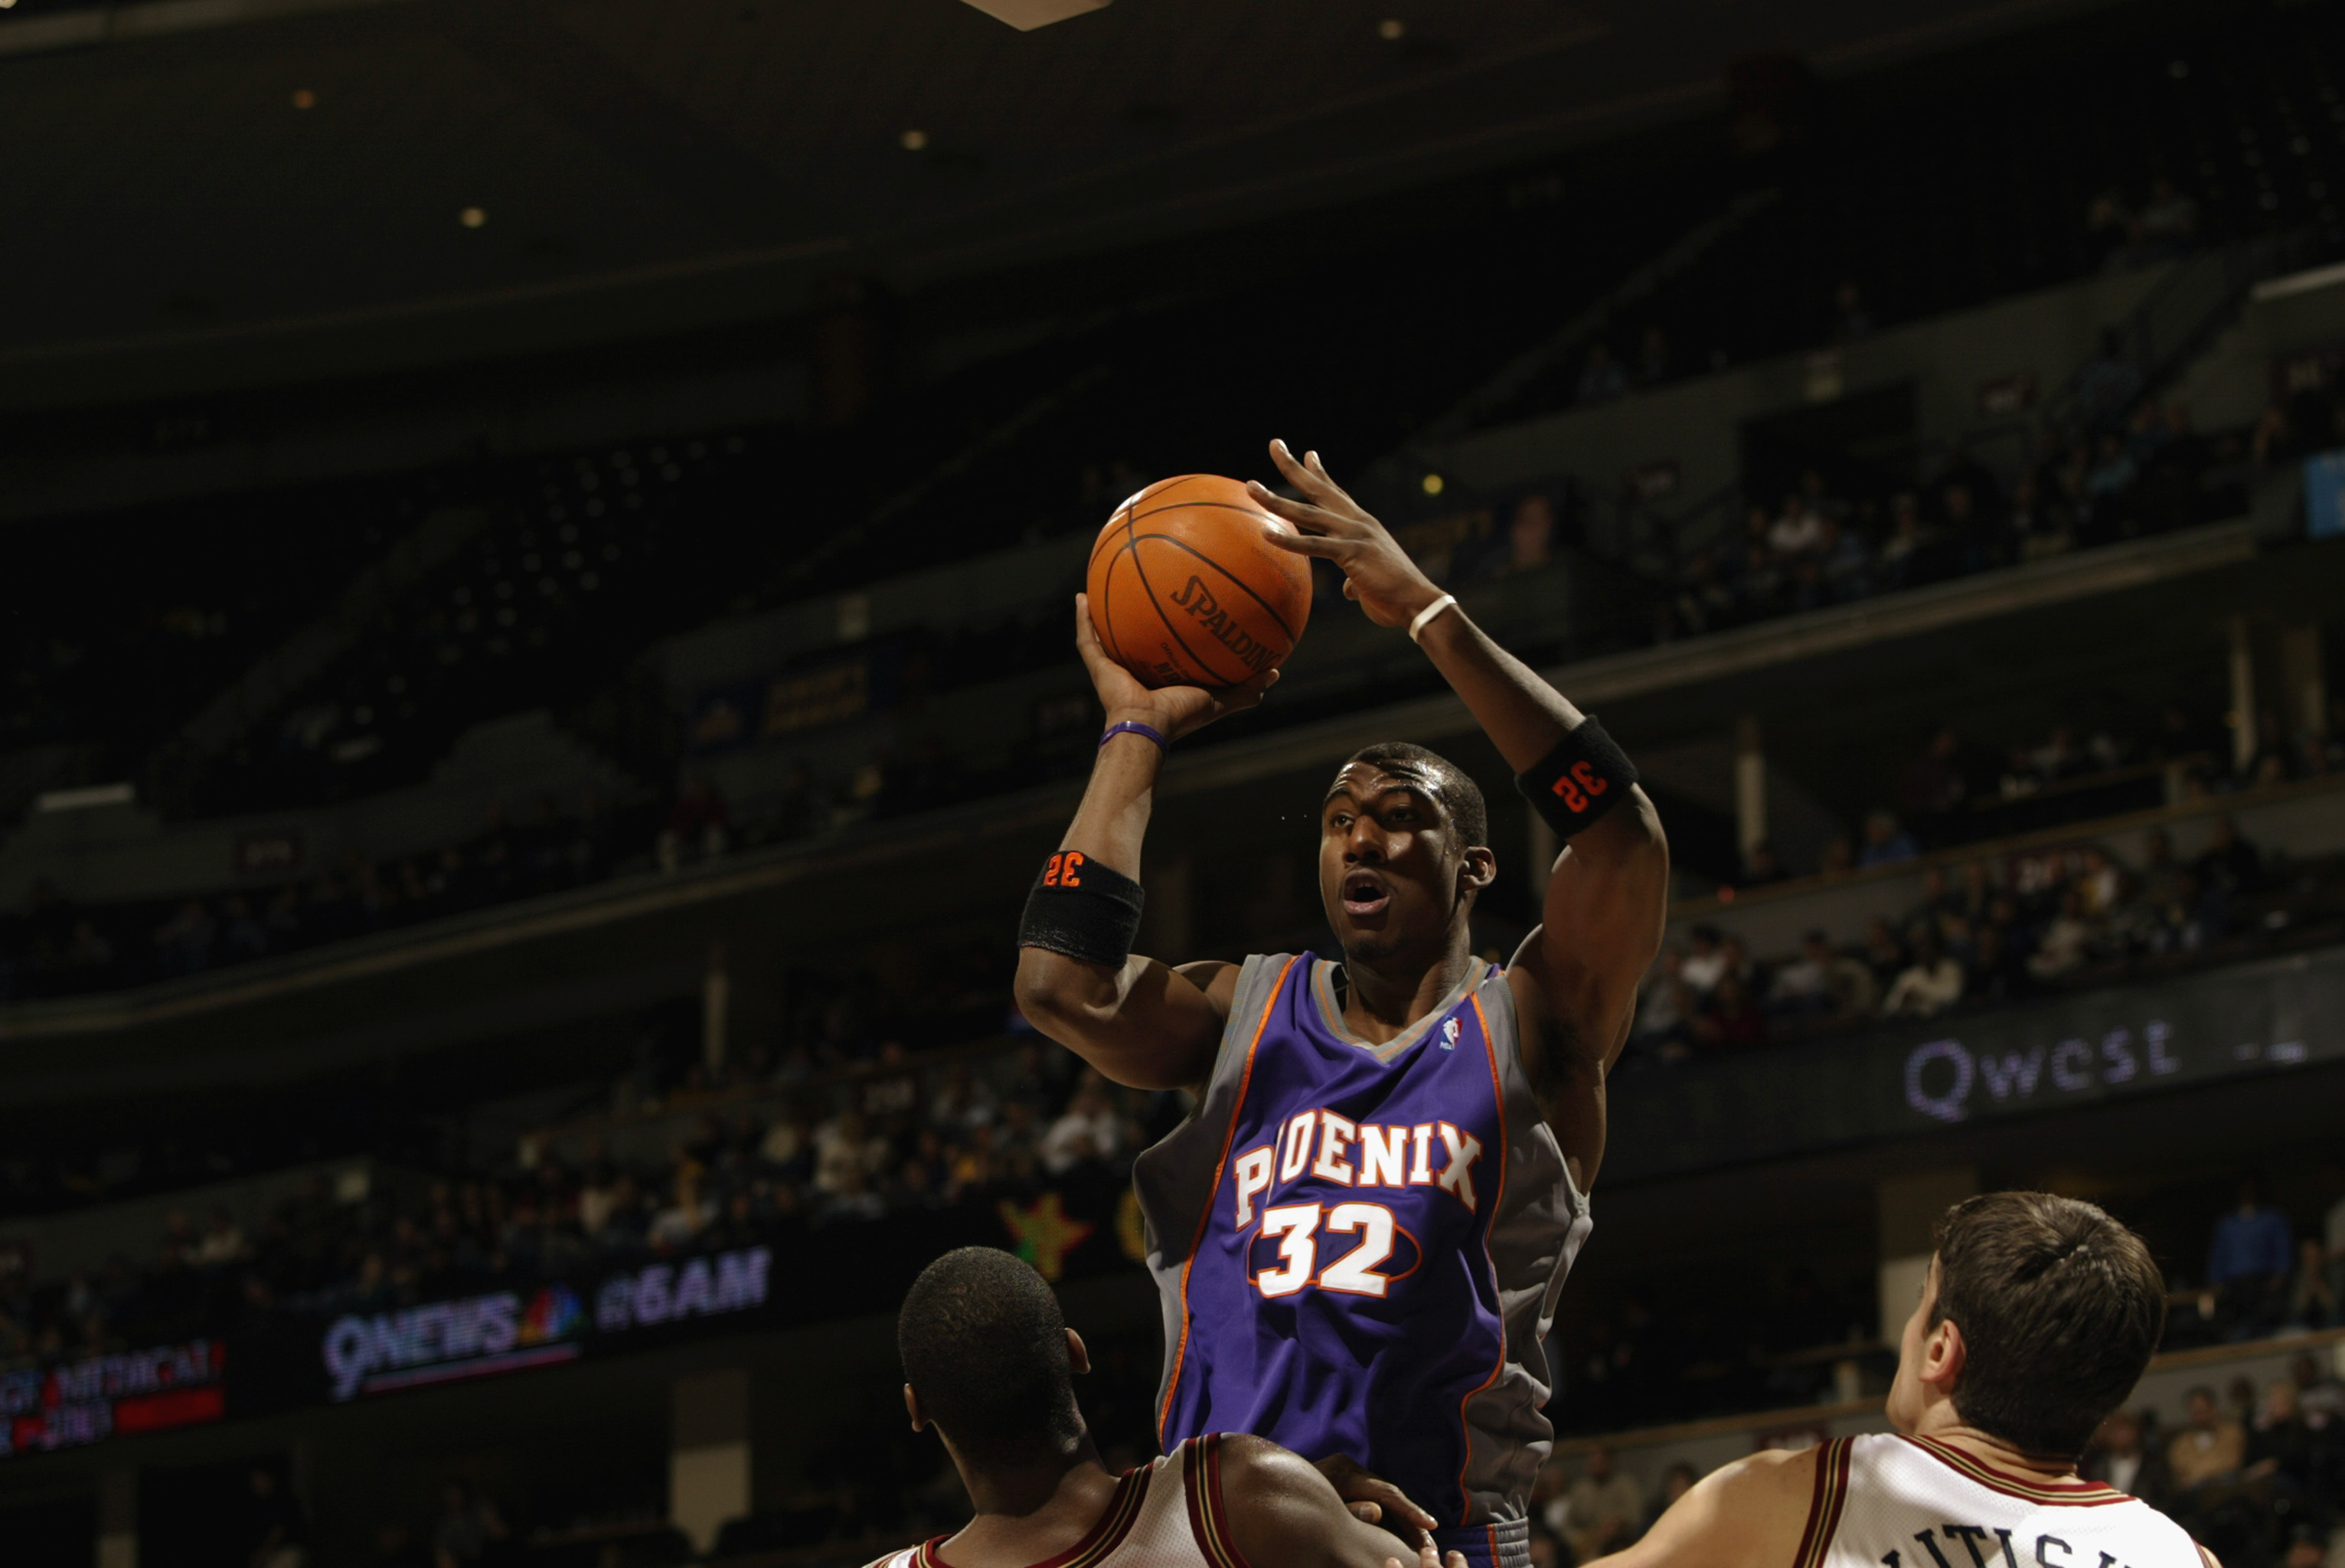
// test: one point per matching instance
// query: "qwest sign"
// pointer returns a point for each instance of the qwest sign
(2274, 1015)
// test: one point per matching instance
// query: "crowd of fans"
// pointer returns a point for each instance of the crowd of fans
(2129, 468)
(1988, 933)
(764, 1151)
(57, 948)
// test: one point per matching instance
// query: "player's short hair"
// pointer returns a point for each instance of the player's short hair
(1469, 812)
(984, 1344)
(2060, 1307)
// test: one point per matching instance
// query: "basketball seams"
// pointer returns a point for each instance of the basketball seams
(1179, 544)
(1148, 592)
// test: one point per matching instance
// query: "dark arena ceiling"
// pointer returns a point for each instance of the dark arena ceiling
(192, 174)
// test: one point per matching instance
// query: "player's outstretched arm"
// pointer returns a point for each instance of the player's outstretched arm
(1143, 1022)
(1750, 1515)
(1283, 1513)
(1575, 979)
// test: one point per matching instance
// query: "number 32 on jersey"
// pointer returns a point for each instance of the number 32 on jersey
(1285, 1254)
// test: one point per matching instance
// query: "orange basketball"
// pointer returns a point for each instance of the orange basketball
(1186, 589)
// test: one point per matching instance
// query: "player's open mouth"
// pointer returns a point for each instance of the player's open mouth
(1364, 895)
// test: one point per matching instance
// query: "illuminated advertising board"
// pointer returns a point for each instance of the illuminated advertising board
(75, 1403)
(501, 1332)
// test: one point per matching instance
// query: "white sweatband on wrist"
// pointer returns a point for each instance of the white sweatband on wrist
(1424, 617)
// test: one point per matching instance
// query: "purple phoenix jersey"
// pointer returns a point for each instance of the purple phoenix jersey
(1359, 1247)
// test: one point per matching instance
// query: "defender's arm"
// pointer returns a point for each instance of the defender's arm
(1143, 1022)
(1281, 1510)
(1749, 1515)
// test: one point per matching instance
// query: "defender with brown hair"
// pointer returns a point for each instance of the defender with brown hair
(2037, 1318)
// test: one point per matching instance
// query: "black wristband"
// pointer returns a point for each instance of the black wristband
(1584, 776)
(1082, 909)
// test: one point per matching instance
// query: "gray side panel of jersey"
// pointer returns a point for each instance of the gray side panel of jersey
(1541, 1226)
(1174, 1179)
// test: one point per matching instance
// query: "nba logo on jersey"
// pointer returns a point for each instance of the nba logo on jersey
(1449, 1034)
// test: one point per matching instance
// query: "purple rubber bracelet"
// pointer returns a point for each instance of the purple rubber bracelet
(1134, 727)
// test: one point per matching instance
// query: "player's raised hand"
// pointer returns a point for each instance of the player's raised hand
(1377, 572)
(1368, 1496)
(1172, 710)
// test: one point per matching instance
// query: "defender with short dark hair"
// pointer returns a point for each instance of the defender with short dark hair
(2037, 1317)
(2061, 1308)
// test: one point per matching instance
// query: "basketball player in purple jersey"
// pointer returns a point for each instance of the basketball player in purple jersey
(1361, 1233)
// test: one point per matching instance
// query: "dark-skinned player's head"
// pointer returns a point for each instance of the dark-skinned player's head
(1403, 850)
(988, 1357)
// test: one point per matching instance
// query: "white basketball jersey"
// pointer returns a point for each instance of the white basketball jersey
(1887, 1501)
(1167, 1513)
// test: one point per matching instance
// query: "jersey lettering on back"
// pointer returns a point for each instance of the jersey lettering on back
(1886, 1501)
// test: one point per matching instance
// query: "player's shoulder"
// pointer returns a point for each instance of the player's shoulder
(1774, 1482)
(1244, 1454)
(909, 1557)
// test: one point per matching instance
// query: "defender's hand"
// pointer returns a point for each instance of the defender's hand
(1429, 1556)
(1377, 572)
(1173, 711)
(1367, 1496)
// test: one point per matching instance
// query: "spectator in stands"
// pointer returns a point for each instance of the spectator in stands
(1935, 789)
(1850, 318)
(1086, 1130)
(688, 1212)
(2207, 1451)
(1701, 967)
(470, 1525)
(222, 1243)
(2229, 865)
(1886, 841)
(1605, 1508)
(1931, 983)
(2287, 1456)
(1797, 531)
(2320, 1397)
(845, 1146)
(854, 1198)
(1839, 857)
(698, 829)
(2118, 1458)
(1996, 973)
(1761, 866)
(1801, 988)
(1906, 555)
(2109, 225)
(1601, 379)
(2033, 530)
(1666, 1008)
(1653, 365)
(1730, 1018)
(2247, 1265)
(276, 1528)
(1884, 956)
(1530, 534)
(2167, 223)
(2108, 384)
(2333, 1248)
(2065, 941)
